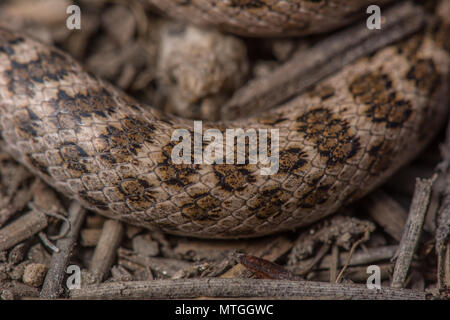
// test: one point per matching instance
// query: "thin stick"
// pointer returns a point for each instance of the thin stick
(233, 288)
(106, 249)
(364, 238)
(307, 68)
(334, 263)
(22, 228)
(412, 231)
(52, 287)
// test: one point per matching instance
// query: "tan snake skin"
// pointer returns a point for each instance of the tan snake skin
(267, 17)
(337, 142)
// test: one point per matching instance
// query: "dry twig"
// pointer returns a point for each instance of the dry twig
(106, 249)
(413, 229)
(52, 287)
(233, 288)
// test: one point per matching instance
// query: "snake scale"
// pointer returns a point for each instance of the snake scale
(337, 141)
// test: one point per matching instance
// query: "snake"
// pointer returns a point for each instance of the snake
(265, 18)
(338, 141)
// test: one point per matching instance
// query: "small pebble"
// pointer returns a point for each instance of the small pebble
(34, 274)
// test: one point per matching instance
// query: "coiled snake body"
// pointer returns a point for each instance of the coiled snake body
(337, 142)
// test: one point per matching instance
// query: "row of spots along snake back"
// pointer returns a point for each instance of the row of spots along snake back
(337, 141)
